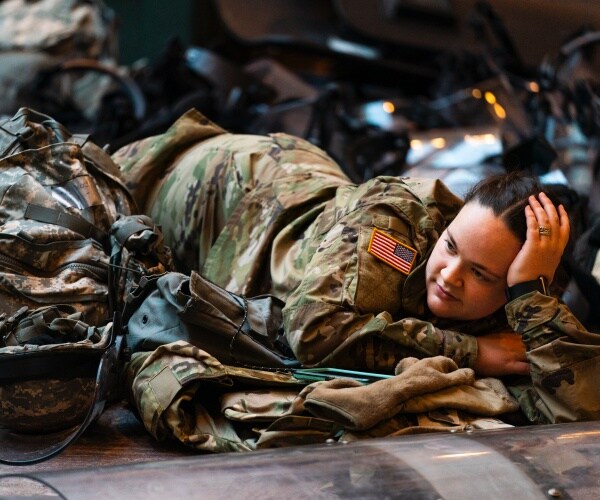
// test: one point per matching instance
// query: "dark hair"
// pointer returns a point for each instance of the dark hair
(507, 195)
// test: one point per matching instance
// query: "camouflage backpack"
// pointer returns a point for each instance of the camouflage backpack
(70, 250)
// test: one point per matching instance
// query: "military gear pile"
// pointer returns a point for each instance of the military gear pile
(60, 197)
(50, 392)
(70, 251)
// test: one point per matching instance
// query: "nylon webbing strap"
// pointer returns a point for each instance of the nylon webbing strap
(79, 139)
(129, 229)
(69, 221)
(22, 333)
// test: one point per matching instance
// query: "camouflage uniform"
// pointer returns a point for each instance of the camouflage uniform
(274, 214)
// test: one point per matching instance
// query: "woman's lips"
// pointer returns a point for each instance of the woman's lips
(443, 294)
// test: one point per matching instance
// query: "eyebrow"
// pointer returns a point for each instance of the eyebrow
(474, 264)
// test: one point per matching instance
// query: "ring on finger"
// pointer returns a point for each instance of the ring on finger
(544, 230)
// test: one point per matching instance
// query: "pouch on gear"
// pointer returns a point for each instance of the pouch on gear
(236, 330)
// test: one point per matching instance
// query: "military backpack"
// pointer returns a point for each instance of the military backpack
(70, 251)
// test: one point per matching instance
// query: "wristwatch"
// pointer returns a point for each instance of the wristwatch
(540, 285)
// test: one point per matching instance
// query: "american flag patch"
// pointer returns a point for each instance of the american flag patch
(391, 251)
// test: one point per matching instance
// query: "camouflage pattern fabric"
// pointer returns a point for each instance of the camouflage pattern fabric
(48, 404)
(60, 196)
(179, 379)
(54, 264)
(273, 214)
(53, 404)
(283, 211)
(183, 393)
(564, 359)
(231, 198)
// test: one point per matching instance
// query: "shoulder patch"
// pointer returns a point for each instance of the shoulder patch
(391, 251)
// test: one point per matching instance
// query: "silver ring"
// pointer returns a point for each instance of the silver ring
(544, 230)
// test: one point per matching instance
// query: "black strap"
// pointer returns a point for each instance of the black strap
(22, 332)
(538, 285)
(69, 221)
(137, 295)
(7, 324)
(125, 231)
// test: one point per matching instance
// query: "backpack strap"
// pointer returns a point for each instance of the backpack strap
(69, 221)
(45, 325)
(131, 227)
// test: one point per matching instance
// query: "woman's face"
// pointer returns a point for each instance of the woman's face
(466, 272)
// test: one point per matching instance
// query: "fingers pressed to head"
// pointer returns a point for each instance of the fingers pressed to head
(538, 210)
(565, 224)
(531, 219)
(539, 219)
(548, 207)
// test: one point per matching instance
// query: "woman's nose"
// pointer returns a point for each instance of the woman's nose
(451, 273)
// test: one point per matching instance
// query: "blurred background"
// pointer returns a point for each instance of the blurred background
(539, 27)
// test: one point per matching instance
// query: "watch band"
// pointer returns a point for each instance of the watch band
(539, 285)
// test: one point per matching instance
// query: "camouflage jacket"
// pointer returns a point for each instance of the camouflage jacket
(291, 223)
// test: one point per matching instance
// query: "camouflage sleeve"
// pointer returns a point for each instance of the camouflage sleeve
(323, 334)
(564, 358)
(353, 310)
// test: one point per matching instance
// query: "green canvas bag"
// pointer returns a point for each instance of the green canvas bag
(237, 330)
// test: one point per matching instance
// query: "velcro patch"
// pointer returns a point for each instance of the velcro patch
(391, 251)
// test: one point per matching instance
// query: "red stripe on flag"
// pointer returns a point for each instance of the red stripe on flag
(391, 251)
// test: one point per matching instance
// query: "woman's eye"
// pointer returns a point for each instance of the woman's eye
(480, 276)
(450, 246)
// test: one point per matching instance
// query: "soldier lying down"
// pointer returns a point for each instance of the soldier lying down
(376, 273)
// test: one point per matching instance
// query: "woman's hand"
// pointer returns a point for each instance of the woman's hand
(547, 236)
(501, 353)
